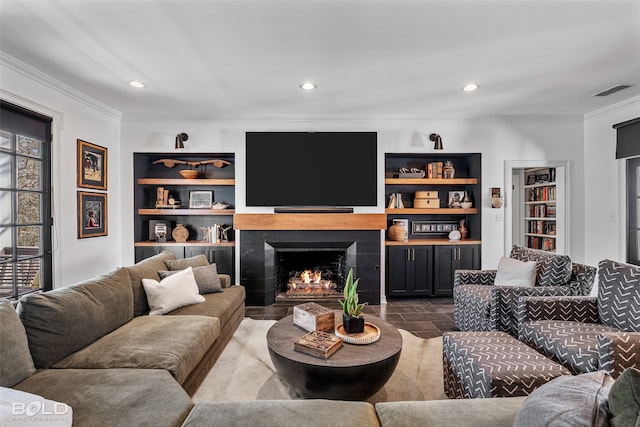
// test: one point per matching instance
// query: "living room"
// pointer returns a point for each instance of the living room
(506, 125)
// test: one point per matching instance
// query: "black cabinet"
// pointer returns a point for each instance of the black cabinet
(410, 270)
(143, 252)
(223, 256)
(448, 259)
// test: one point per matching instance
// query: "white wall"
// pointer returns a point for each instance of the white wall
(605, 201)
(75, 117)
(498, 140)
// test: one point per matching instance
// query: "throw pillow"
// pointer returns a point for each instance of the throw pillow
(513, 272)
(16, 363)
(19, 408)
(206, 277)
(571, 401)
(624, 399)
(181, 264)
(175, 291)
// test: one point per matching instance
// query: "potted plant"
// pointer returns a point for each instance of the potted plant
(352, 318)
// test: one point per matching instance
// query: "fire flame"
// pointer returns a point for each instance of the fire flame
(309, 276)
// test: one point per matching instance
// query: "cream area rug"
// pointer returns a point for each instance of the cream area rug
(244, 370)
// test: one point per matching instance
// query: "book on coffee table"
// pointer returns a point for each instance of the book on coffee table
(318, 344)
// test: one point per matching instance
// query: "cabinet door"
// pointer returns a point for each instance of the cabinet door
(144, 252)
(422, 266)
(222, 256)
(399, 274)
(448, 259)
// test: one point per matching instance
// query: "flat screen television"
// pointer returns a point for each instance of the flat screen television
(311, 169)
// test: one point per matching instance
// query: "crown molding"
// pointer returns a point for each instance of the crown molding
(620, 106)
(44, 79)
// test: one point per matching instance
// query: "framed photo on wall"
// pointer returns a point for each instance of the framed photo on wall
(92, 214)
(92, 165)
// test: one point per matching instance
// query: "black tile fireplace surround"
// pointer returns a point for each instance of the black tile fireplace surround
(258, 252)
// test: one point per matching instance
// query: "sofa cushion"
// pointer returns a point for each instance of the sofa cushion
(20, 409)
(624, 399)
(473, 307)
(114, 397)
(221, 305)
(146, 269)
(174, 343)
(64, 320)
(16, 363)
(181, 264)
(469, 412)
(513, 272)
(573, 344)
(283, 413)
(568, 401)
(551, 270)
(172, 292)
(206, 277)
(619, 295)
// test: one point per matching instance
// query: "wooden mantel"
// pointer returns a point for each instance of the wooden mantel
(310, 221)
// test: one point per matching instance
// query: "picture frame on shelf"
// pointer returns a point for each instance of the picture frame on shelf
(91, 165)
(92, 214)
(455, 198)
(542, 178)
(200, 199)
(531, 179)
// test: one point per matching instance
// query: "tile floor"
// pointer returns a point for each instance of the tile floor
(424, 317)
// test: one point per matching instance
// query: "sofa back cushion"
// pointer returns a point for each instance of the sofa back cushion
(551, 269)
(619, 295)
(16, 363)
(146, 269)
(63, 321)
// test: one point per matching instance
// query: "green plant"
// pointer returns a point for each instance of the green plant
(350, 305)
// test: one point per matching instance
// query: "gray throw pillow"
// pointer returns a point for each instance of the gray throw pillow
(206, 277)
(181, 264)
(16, 363)
(624, 399)
(568, 401)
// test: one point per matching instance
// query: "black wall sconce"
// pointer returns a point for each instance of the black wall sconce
(180, 139)
(437, 141)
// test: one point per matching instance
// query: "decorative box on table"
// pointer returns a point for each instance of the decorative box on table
(313, 317)
(318, 344)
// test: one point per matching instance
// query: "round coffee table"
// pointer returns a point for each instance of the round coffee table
(354, 372)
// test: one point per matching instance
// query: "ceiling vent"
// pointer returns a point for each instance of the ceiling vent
(612, 90)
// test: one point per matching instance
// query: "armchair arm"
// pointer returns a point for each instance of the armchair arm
(618, 351)
(474, 277)
(582, 279)
(569, 309)
(504, 304)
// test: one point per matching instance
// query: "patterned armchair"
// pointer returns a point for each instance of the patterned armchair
(587, 334)
(478, 305)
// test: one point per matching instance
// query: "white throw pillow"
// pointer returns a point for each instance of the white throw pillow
(513, 272)
(172, 292)
(19, 408)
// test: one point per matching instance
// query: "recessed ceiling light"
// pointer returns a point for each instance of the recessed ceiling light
(470, 87)
(308, 86)
(137, 84)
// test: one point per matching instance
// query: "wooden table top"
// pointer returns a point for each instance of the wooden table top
(282, 335)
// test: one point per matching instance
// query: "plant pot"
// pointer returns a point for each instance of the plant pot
(353, 325)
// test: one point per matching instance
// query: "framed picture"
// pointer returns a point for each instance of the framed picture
(92, 165)
(92, 214)
(200, 199)
(455, 197)
(544, 177)
(531, 179)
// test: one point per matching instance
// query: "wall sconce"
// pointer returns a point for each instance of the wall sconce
(437, 141)
(180, 139)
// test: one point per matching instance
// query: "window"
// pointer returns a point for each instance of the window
(25, 201)
(633, 211)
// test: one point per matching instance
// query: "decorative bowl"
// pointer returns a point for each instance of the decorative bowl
(465, 205)
(189, 173)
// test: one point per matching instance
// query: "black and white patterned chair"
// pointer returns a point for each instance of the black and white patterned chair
(586, 334)
(481, 306)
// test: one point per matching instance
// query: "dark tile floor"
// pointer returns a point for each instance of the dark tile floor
(424, 317)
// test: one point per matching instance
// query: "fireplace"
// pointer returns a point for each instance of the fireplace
(270, 259)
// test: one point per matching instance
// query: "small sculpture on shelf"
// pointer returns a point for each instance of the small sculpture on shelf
(448, 171)
(464, 231)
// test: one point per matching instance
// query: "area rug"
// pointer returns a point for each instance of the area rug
(244, 370)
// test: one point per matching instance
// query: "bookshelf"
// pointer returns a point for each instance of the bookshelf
(543, 228)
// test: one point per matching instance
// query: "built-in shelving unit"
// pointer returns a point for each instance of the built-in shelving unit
(540, 209)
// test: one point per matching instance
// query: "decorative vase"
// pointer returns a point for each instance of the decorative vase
(448, 171)
(353, 325)
(180, 234)
(463, 229)
(397, 232)
(466, 203)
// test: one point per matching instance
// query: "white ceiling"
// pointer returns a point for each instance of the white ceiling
(369, 58)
